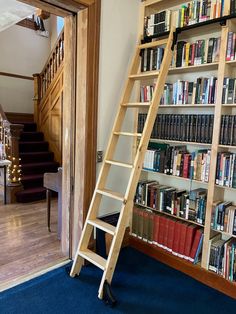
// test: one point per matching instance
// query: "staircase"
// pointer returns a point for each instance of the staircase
(36, 159)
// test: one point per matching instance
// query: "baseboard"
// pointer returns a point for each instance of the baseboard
(19, 117)
(206, 277)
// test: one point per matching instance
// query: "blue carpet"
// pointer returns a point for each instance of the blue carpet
(141, 285)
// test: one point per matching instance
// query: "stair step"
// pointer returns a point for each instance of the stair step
(144, 75)
(31, 136)
(111, 194)
(32, 180)
(33, 157)
(119, 164)
(31, 195)
(128, 134)
(33, 146)
(93, 258)
(40, 167)
(102, 225)
(137, 105)
(28, 126)
(152, 44)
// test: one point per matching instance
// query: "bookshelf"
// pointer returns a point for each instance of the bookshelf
(221, 69)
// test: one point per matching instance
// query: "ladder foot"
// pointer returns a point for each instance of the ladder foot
(108, 297)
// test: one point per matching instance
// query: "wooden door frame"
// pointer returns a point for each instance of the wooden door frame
(80, 108)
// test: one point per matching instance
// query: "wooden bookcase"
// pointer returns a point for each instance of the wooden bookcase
(220, 69)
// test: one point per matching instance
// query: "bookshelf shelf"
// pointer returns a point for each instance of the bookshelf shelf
(175, 177)
(195, 68)
(225, 233)
(170, 215)
(187, 106)
(203, 76)
(179, 142)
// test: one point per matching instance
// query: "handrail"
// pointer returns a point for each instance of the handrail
(23, 77)
(54, 62)
(9, 138)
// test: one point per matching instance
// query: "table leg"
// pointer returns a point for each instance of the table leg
(5, 184)
(49, 209)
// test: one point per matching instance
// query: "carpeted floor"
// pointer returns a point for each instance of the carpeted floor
(141, 285)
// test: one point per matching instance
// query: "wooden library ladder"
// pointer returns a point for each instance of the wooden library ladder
(126, 200)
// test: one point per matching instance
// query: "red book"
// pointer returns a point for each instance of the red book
(171, 234)
(183, 233)
(189, 240)
(196, 241)
(175, 247)
(161, 231)
(166, 228)
(156, 228)
(186, 165)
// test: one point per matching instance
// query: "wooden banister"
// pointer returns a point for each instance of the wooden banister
(9, 137)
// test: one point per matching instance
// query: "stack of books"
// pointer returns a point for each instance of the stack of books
(177, 161)
(231, 47)
(224, 217)
(181, 127)
(229, 91)
(228, 130)
(179, 238)
(226, 169)
(180, 203)
(157, 23)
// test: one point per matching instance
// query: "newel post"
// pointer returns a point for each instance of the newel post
(14, 185)
(37, 96)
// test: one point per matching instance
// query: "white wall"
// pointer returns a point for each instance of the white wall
(22, 52)
(119, 27)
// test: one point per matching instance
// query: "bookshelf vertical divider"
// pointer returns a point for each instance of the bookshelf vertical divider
(214, 146)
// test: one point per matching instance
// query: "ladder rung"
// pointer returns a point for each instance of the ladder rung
(111, 194)
(128, 134)
(93, 258)
(137, 104)
(100, 224)
(144, 75)
(154, 44)
(119, 164)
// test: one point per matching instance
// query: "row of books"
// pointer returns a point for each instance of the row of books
(226, 169)
(222, 257)
(157, 23)
(177, 161)
(231, 47)
(180, 127)
(228, 130)
(197, 53)
(198, 11)
(224, 217)
(186, 54)
(151, 59)
(182, 239)
(202, 91)
(229, 91)
(180, 203)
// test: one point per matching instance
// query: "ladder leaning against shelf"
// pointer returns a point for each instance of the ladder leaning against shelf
(126, 200)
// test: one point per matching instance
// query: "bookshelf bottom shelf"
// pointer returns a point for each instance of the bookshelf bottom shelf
(206, 277)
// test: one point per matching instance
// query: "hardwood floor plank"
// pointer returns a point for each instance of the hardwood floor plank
(25, 243)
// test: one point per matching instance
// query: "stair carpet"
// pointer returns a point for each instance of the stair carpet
(35, 161)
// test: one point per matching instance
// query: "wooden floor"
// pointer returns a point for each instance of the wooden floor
(26, 246)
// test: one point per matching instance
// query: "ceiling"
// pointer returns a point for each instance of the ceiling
(12, 12)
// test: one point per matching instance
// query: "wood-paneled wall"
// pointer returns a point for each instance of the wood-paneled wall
(50, 116)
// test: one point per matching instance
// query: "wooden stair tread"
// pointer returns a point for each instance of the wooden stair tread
(111, 194)
(144, 75)
(128, 134)
(137, 104)
(153, 44)
(93, 258)
(102, 225)
(119, 164)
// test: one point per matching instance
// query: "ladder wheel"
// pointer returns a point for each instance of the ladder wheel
(108, 297)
